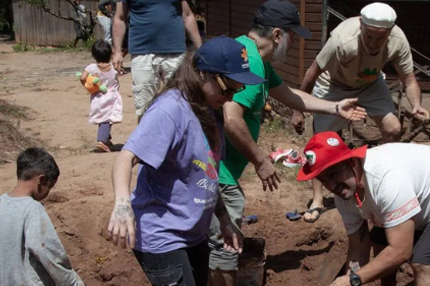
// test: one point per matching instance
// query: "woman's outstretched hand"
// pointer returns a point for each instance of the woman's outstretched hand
(232, 237)
(122, 228)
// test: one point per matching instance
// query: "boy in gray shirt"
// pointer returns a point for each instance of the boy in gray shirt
(30, 251)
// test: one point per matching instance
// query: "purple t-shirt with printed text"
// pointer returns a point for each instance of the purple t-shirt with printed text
(177, 187)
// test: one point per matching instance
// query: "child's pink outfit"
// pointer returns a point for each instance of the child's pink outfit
(105, 107)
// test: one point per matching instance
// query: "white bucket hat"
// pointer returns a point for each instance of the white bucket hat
(378, 15)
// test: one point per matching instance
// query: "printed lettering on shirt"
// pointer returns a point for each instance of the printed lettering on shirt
(398, 213)
(208, 203)
(209, 181)
(202, 201)
(208, 186)
(200, 164)
(210, 168)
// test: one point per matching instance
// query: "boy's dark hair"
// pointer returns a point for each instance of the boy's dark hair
(101, 51)
(36, 161)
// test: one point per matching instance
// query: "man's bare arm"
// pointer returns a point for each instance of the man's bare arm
(413, 93)
(399, 250)
(190, 24)
(118, 31)
(298, 118)
(238, 133)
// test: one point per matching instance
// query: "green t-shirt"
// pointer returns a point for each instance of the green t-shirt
(254, 98)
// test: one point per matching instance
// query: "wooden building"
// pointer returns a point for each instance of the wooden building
(33, 26)
(234, 18)
(412, 18)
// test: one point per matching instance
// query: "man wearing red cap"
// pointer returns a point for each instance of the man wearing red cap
(350, 65)
(388, 185)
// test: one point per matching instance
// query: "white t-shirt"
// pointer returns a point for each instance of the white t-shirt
(397, 188)
(348, 65)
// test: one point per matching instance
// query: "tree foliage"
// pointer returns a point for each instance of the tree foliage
(6, 16)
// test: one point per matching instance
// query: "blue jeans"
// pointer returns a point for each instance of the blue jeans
(181, 267)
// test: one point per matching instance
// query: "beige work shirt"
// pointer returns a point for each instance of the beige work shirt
(349, 66)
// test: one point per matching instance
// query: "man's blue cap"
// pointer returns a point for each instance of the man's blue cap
(226, 56)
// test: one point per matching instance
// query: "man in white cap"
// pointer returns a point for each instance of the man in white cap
(388, 185)
(350, 65)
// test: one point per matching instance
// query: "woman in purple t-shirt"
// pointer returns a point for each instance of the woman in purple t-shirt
(178, 145)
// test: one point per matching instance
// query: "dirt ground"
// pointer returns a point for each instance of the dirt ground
(53, 113)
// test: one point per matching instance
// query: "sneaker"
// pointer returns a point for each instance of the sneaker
(293, 159)
(279, 154)
(102, 147)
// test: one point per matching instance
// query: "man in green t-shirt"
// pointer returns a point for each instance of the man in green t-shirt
(272, 34)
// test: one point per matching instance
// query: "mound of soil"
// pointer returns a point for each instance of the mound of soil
(12, 138)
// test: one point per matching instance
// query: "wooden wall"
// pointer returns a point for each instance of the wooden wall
(412, 18)
(33, 26)
(234, 18)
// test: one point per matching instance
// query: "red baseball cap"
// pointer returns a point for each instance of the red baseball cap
(323, 150)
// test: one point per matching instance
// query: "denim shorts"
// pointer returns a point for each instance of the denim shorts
(421, 252)
(181, 267)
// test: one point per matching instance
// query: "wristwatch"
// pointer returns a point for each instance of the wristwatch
(354, 279)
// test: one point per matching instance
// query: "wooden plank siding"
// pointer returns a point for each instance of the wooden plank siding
(234, 18)
(33, 26)
(412, 18)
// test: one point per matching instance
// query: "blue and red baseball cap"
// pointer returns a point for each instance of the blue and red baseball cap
(324, 150)
(226, 56)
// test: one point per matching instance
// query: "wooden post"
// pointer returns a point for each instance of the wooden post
(302, 42)
(229, 18)
(324, 24)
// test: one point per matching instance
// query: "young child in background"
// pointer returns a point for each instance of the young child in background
(31, 252)
(106, 108)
